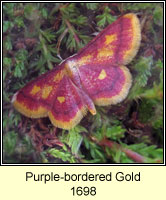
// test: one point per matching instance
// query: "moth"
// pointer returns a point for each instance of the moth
(96, 75)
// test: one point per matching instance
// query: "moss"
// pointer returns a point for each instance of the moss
(37, 36)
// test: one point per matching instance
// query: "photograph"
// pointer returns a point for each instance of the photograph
(83, 83)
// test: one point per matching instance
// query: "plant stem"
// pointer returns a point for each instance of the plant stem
(131, 154)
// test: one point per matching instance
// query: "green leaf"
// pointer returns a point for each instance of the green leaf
(8, 43)
(106, 17)
(65, 156)
(9, 142)
(138, 6)
(143, 68)
(102, 21)
(48, 34)
(75, 140)
(39, 20)
(92, 6)
(115, 132)
(158, 15)
(19, 22)
(44, 13)
(22, 55)
(80, 20)
(7, 62)
(17, 71)
(9, 9)
(7, 25)
(151, 153)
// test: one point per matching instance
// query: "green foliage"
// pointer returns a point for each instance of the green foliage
(115, 132)
(7, 25)
(158, 15)
(62, 154)
(7, 43)
(95, 153)
(46, 49)
(8, 9)
(143, 68)
(10, 120)
(36, 36)
(17, 149)
(9, 141)
(139, 6)
(44, 13)
(69, 31)
(92, 6)
(74, 138)
(105, 18)
(117, 155)
(155, 92)
(20, 59)
(150, 153)
(7, 62)
(13, 20)
(151, 104)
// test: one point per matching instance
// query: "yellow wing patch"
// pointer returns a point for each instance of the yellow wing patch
(105, 52)
(61, 99)
(84, 60)
(46, 91)
(102, 75)
(110, 38)
(35, 90)
(59, 76)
